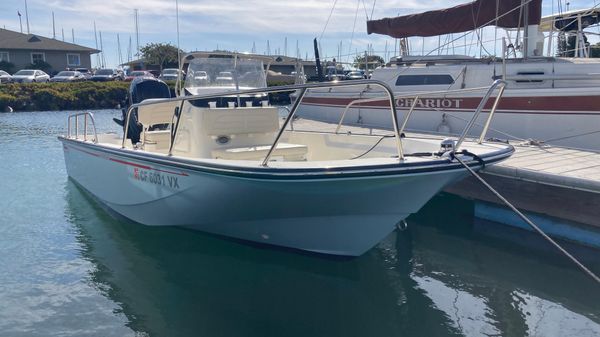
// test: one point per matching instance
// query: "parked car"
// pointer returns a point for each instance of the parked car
(85, 72)
(225, 78)
(103, 75)
(335, 74)
(200, 77)
(68, 76)
(302, 76)
(355, 75)
(30, 75)
(138, 73)
(5, 77)
(155, 73)
(170, 74)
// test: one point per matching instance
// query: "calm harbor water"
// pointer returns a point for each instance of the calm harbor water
(67, 268)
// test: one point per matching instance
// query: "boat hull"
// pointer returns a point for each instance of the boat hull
(332, 215)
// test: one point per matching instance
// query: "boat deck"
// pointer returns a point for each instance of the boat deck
(550, 180)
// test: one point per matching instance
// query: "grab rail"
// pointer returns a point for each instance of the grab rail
(415, 97)
(85, 123)
(306, 87)
(496, 84)
(302, 87)
(357, 101)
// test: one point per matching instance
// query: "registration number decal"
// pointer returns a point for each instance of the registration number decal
(156, 178)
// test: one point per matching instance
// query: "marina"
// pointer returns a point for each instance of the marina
(67, 264)
(453, 191)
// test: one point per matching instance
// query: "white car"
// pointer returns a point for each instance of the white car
(5, 77)
(68, 76)
(30, 75)
(225, 78)
(201, 77)
(170, 74)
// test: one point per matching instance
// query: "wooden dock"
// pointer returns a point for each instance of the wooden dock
(548, 180)
(559, 182)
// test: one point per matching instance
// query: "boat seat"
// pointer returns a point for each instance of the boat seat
(157, 113)
(290, 152)
(238, 121)
(157, 141)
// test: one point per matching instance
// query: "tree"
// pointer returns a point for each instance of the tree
(41, 65)
(160, 54)
(373, 61)
(7, 66)
(595, 50)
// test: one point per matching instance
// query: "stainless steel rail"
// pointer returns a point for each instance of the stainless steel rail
(415, 97)
(496, 84)
(85, 125)
(285, 123)
(357, 101)
(303, 89)
(412, 108)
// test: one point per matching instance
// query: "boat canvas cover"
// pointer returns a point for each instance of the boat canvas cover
(462, 18)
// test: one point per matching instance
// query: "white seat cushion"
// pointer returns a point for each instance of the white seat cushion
(285, 150)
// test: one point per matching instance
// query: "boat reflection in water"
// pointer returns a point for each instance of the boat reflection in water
(437, 278)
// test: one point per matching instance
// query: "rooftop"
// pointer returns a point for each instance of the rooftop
(14, 40)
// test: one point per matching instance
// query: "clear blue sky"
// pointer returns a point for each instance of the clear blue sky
(231, 25)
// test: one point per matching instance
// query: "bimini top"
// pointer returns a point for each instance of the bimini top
(569, 21)
(462, 18)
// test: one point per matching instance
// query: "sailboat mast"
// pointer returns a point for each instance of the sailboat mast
(525, 29)
(119, 50)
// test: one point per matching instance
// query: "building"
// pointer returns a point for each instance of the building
(287, 65)
(24, 49)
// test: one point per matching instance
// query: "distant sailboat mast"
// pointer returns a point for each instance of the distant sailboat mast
(137, 32)
(96, 39)
(27, 16)
(102, 50)
(129, 51)
(119, 50)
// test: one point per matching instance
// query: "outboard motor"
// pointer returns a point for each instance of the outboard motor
(141, 88)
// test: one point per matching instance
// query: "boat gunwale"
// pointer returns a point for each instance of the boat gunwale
(433, 166)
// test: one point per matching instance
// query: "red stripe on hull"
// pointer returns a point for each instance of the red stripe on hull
(127, 162)
(546, 104)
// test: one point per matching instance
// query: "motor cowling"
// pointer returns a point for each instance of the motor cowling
(141, 88)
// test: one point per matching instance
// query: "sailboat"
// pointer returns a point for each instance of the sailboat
(551, 99)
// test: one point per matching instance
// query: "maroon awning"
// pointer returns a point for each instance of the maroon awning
(458, 19)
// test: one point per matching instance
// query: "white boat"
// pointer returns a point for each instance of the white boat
(228, 164)
(548, 99)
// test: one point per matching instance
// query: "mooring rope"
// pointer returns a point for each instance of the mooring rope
(529, 222)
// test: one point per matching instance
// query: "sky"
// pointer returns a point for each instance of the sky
(232, 25)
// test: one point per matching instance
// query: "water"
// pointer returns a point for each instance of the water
(67, 268)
